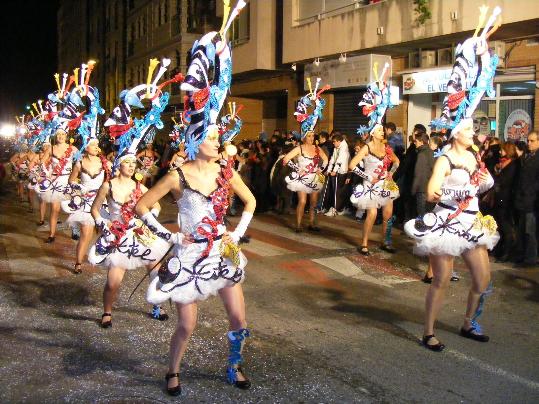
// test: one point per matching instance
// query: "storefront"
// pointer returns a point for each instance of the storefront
(508, 115)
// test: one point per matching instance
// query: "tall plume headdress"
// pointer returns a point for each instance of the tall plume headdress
(376, 100)
(208, 81)
(130, 134)
(472, 75)
(312, 100)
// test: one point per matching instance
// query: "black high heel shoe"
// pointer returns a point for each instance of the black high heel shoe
(439, 347)
(471, 334)
(364, 250)
(240, 384)
(106, 324)
(173, 391)
(77, 269)
(50, 240)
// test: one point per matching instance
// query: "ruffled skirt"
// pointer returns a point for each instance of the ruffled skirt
(186, 278)
(133, 251)
(435, 235)
(53, 191)
(369, 196)
(308, 183)
(79, 206)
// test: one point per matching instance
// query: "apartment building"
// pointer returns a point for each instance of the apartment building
(277, 44)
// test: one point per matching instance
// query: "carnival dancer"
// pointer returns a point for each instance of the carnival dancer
(125, 242)
(53, 190)
(456, 227)
(206, 258)
(378, 189)
(93, 170)
(306, 177)
(19, 169)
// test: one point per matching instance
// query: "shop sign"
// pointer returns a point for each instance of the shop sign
(429, 81)
(517, 125)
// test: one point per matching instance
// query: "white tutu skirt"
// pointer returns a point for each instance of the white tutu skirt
(53, 191)
(369, 196)
(308, 183)
(79, 206)
(185, 278)
(133, 251)
(466, 231)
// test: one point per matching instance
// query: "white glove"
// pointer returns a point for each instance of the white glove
(159, 230)
(241, 228)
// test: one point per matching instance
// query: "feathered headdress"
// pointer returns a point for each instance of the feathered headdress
(308, 120)
(472, 75)
(376, 100)
(129, 134)
(231, 123)
(206, 92)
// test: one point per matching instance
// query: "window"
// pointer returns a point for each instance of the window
(309, 9)
(240, 29)
(201, 16)
(509, 115)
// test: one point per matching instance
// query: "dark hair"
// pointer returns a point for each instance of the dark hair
(391, 125)
(323, 134)
(422, 137)
(521, 145)
(420, 127)
(437, 140)
(337, 137)
(510, 150)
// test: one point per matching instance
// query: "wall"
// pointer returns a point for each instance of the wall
(356, 29)
(259, 51)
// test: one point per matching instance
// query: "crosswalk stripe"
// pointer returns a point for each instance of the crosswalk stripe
(347, 268)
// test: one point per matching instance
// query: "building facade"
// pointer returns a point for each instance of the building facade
(277, 44)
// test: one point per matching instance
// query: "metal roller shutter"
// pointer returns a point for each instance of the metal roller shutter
(347, 116)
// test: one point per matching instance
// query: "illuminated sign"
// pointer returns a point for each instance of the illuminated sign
(430, 81)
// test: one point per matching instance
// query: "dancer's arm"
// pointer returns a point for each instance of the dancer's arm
(290, 155)
(75, 171)
(99, 200)
(396, 162)
(249, 202)
(358, 157)
(169, 183)
(156, 208)
(434, 187)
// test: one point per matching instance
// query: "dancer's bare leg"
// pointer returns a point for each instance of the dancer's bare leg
(187, 319)
(114, 280)
(42, 210)
(367, 226)
(234, 303)
(55, 212)
(302, 200)
(313, 200)
(387, 212)
(442, 267)
(478, 264)
(86, 233)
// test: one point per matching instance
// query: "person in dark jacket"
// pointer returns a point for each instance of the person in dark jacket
(422, 171)
(492, 154)
(504, 177)
(526, 192)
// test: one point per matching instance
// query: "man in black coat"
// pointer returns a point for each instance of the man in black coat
(422, 171)
(527, 189)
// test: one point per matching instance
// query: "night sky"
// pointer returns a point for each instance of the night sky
(28, 54)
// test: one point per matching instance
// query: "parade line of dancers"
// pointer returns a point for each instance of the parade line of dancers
(204, 258)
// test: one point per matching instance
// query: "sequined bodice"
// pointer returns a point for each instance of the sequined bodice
(92, 182)
(193, 207)
(372, 165)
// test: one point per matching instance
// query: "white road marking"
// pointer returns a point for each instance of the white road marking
(264, 249)
(347, 268)
(533, 385)
(319, 241)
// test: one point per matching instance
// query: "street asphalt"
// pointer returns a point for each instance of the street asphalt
(328, 326)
